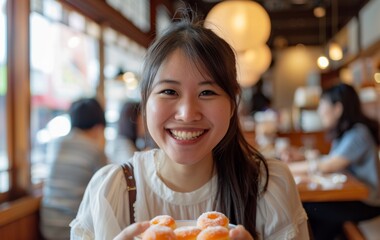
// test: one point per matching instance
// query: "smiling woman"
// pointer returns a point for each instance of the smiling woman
(189, 102)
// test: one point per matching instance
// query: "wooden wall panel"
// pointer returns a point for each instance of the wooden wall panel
(316, 139)
(297, 139)
(25, 228)
(20, 219)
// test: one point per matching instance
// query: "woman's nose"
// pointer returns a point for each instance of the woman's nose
(188, 110)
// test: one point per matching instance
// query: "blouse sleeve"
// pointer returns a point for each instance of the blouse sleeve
(354, 144)
(280, 214)
(104, 210)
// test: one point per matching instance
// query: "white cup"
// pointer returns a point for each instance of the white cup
(312, 157)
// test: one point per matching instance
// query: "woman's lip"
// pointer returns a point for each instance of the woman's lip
(186, 129)
(187, 138)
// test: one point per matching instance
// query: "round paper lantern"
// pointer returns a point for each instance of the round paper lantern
(246, 73)
(251, 64)
(259, 58)
(243, 24)
(246, 76)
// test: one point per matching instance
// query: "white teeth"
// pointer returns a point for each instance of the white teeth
(182, 135)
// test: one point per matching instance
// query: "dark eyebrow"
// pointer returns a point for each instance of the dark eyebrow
(163, 81)
(170, 81)
(207, 82)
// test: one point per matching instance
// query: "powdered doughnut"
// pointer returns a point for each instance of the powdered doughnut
(164, 220)
(210, 219)
(187, 232)
(158, 232)
(214, 233)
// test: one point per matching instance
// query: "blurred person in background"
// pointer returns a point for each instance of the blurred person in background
(77, 156)
(259, 101)
(130, 134)
(354, 149)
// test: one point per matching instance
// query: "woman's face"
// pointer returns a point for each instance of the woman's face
(187, 112)
(329, 113)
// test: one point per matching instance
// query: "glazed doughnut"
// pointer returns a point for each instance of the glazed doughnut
(210, 219)
(158, 232)
(187, 232)
(214, 233)
(164, 220)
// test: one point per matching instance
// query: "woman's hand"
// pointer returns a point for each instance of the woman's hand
(132, 231)
(240, 233)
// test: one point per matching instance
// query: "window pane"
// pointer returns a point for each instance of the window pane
(138, 12)
(123, 60)
(163, 19)
(64, 67)
(4, 175)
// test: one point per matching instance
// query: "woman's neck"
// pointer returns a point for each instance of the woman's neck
(185, 178)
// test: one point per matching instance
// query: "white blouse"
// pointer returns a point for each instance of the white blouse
(104, 210)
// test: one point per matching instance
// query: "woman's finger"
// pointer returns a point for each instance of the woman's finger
(132, 230)
(240, 233)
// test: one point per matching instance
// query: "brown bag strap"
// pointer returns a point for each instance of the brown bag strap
(131, 187)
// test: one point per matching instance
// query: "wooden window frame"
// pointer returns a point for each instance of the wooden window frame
(17, 98)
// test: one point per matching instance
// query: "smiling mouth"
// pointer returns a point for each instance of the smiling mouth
(186, 135)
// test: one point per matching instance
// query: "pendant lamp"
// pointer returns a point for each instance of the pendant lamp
(243, 24)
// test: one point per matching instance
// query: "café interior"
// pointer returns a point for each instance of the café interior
(55, 51)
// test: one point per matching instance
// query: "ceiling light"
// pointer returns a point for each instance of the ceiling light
(377, 77)
(335, 51)
(323, 62)
(243, 24)
(319, 12)
(251, 64)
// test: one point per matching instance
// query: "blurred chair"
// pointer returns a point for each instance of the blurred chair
(364, 230)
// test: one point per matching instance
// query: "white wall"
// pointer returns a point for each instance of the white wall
(292, 68)
(370, 23)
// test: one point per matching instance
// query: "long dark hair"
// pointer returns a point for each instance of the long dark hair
(237, 163)
(352, 112)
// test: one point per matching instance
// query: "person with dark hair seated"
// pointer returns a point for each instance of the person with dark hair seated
(354, 149)
(76, 158)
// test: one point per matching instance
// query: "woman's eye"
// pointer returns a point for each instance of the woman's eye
(207, 93)
(168, 92)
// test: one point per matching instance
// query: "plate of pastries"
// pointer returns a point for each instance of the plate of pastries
(208, 226)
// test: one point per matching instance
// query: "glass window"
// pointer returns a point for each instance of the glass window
(4, 165)
(64, 67)
(137, 12)
(123, 60)
(163, 19)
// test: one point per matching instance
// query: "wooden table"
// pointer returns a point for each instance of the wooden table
(351, 190)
